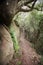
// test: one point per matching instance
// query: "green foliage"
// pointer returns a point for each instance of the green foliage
(19, 63)
(41, 60)
(14, 39)
(32, 23)
(39, 44)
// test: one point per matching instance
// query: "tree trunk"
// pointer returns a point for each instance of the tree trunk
(6, 46)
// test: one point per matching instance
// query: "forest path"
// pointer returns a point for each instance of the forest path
(29, 55)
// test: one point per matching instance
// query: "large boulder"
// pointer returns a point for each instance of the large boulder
(6, 46)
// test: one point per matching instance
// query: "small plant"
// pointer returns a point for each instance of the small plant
(19, 63)
(14, 39)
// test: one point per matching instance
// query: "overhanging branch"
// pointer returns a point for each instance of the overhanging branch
(28, 10)
(25, 2)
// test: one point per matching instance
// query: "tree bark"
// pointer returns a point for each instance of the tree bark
(6, 46)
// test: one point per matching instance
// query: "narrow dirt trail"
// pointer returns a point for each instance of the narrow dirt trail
(29, 55)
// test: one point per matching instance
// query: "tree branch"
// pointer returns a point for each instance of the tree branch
(25, 2)
(27, 10)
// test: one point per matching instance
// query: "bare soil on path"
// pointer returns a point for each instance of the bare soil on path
(28, 54)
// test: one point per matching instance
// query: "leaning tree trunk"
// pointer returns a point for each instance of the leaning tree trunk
(7, 11)
(6, 46)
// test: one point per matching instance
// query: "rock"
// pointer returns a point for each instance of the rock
(6, 46)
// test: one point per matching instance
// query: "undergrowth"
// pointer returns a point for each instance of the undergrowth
(14, 39)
